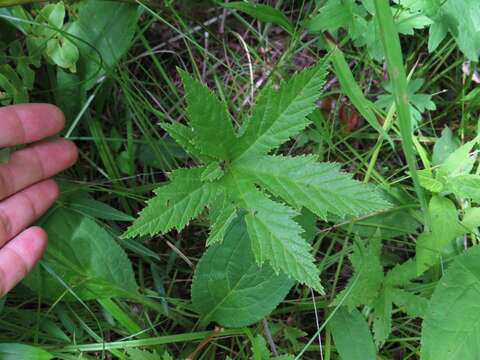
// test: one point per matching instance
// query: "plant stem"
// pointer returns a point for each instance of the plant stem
(398, 77)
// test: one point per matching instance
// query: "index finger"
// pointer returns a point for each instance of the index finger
(27, 123)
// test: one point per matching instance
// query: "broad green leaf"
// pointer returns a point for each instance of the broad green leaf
(302, 181)
(230, 288)
(63, 52)
(460, 162)
(11, 351)
(212, 125)
(85, 257)
(429, 182)
(106, 29)
(279, 115)
(471, 219)
(174, 204)
(445, 228)
(352, 336)
(465, 186)
(263, 13)
(460, 18)
(363, 287)
(451, 328)
(444, 147)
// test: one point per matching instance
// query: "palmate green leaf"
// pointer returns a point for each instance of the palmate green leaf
(227, 186)
(451, 328)
(279, 115)
(320, 187)
(275, 235)
(352, 336)
(175, 204)
(212, 126)
(230, 288)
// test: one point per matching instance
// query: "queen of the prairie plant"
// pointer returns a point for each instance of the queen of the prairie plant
(237, 174)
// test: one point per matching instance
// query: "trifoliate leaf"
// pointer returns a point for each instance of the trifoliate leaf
(279, 115)
(304, 182)
(175, 204)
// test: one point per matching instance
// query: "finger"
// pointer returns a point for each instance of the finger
(18, 257)
(34, 164)
(23, 124)
(20, 210)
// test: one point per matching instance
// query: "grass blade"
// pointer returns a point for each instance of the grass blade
(398, 76)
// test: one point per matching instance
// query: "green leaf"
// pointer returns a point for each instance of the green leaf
(84, 204)
(382, 321)
(429, 182)
(352, 89)
(352, 336)
(304, 182)
(183, 135)
(451, 328)
(465, 186)
(85, 257)
(174, 204)
(364, 286)
(276, 237)
(230, 288)
(279, 115)
(444, 147)
(209, 118)
(10, 351)
(471, 219)
(137, 354)
(445, 228)
(413, 305)
(212, 172)
(222, 213)
(264, 13)
(460, 162)
(460, 18)
(401, 274)
(106, 29)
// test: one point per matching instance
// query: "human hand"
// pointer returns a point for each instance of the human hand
(26, 190)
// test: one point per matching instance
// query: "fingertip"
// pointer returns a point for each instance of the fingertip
(51, 190)
(37, 241)
(70, 151)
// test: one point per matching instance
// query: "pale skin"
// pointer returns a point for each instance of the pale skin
(26, 186)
